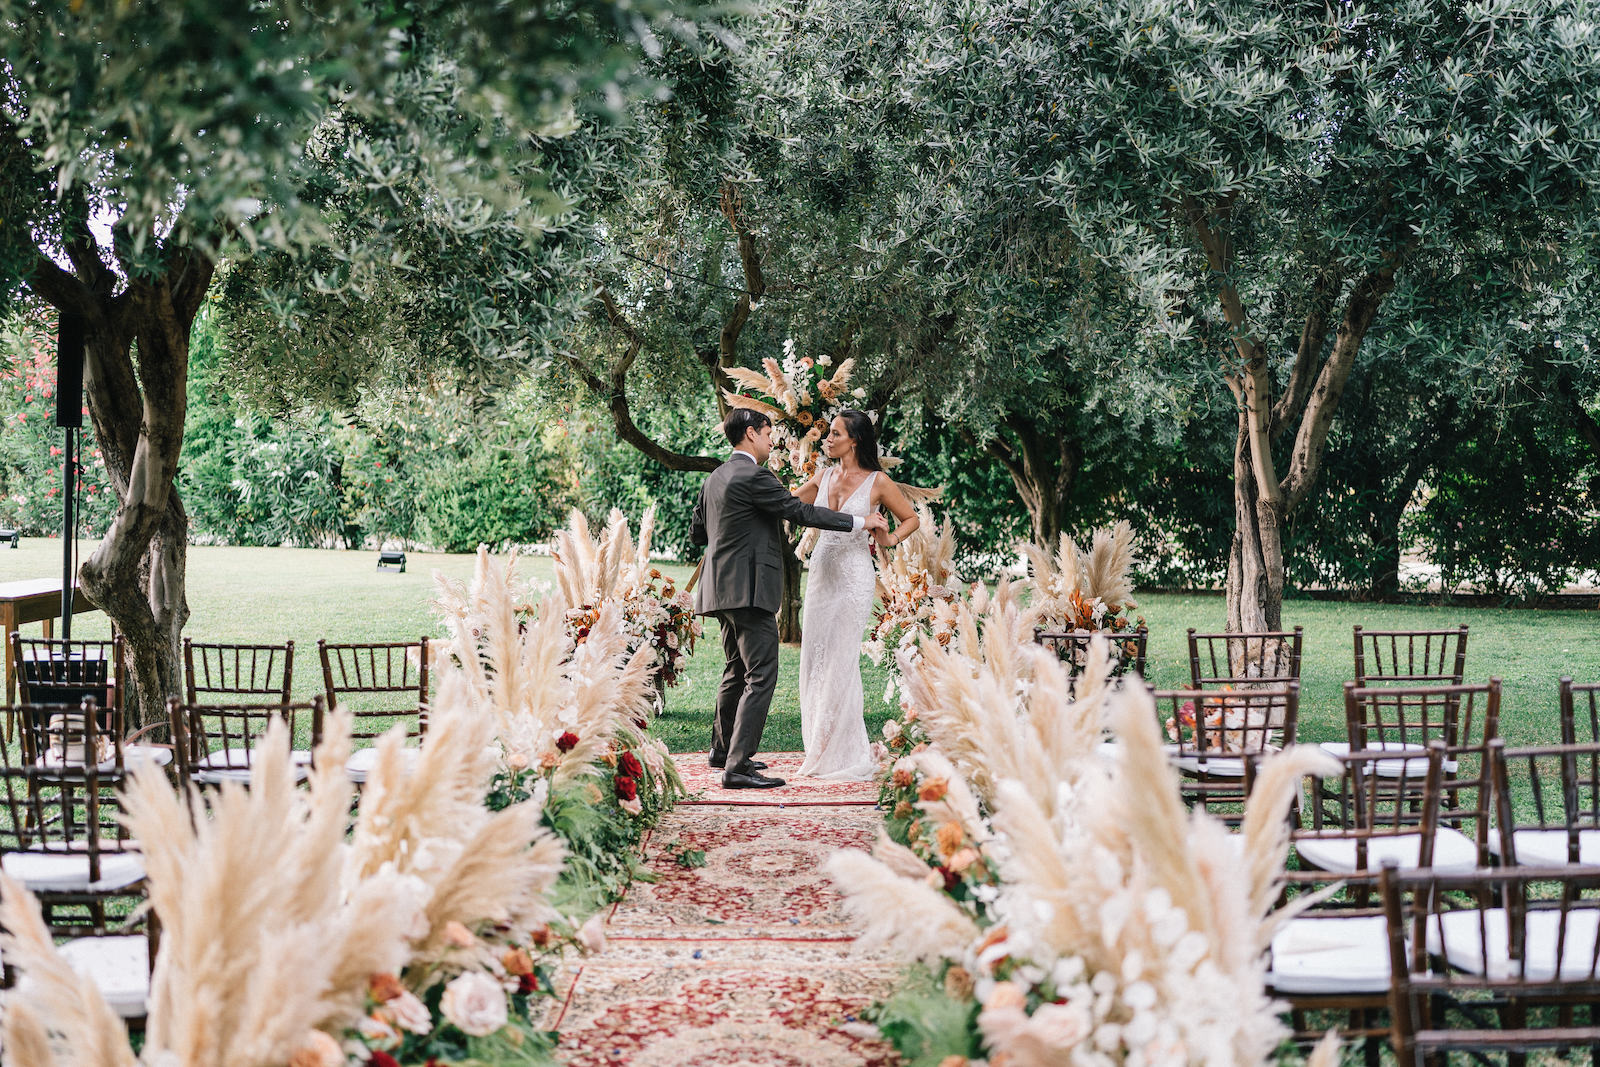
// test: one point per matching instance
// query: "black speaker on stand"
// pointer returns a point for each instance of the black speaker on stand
(69, 416)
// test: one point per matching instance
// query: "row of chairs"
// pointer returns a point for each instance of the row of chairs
(1216, 659)
(379, 683)
(1448, 893)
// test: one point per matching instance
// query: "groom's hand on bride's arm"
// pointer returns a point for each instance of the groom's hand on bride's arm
(875, 522)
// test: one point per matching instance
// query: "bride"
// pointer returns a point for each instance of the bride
(838, 603)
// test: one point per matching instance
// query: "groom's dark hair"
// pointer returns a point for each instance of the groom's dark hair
(741, 421)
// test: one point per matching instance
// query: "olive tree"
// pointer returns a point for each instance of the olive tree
(143, 147)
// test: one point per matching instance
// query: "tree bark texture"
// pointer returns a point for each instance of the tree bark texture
(135, 377)
(1262, 500)
(1043, 468)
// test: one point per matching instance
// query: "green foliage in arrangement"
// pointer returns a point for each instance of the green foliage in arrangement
(924, 1022)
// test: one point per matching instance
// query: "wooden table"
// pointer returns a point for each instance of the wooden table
(33, 600)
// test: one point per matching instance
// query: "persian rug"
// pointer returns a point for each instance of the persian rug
(762, 874)
(744, 1004)
(704, 785)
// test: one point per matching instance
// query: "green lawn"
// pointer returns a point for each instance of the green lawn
(274, 594)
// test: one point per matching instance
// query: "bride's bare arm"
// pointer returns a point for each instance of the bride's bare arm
(808, 492)
(887, 494)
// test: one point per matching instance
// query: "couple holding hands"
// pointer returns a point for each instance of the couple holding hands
(739, 519)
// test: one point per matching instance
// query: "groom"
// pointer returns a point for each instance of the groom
(738, 519)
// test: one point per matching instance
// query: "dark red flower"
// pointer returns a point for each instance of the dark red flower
(629, 765)
(379, 1058)
(951, 878)
(567, 741)
(627, 789)
(528, 983)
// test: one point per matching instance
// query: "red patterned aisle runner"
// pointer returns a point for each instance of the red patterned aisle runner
(744, 962)
(704, 785)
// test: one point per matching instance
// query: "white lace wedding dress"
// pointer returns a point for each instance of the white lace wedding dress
(838, 607)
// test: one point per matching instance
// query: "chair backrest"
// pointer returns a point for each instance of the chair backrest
(1207, 724)
(1538, 947)
(1580, 711)
(62, 671)
(1436, 657)
(1462, 716)
(1552, 794)
(397, 670)
(1072, 647)
(199, 730)
(58, 735)
(59, 810)
(1381, 795)
(225, 673)
(1231, 659)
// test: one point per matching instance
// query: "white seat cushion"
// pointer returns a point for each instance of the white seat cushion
(1452, 851)
(1392, 768)
(1463, 943)
(69, 872)
(1330, 954)
(155, 754)
(1548, 848)
(359, 766)
(235, 764)
(1214, 766)
(120, 967)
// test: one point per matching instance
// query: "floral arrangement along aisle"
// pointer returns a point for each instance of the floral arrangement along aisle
(285, 943)
(568, 712)
(1068, 909)
(656, 614)
(918, 590)
(1084, 591)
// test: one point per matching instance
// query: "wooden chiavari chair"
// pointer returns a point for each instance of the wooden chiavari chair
(396, 672)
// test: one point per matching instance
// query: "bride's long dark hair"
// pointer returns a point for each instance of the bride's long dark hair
(865, 435)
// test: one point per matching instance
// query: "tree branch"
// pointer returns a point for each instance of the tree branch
(1312, 335)
(614, 389)
(1252, 383)
(1360, 309)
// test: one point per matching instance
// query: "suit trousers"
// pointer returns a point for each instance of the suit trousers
(749, 677)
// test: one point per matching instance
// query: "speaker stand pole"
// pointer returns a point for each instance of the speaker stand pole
(69, 473)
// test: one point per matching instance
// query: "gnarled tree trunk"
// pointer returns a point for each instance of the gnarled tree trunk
(135, 377)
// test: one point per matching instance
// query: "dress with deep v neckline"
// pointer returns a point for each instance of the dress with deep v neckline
(838, 606)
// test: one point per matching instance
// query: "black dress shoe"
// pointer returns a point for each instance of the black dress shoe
(718, 764)
(752, 780)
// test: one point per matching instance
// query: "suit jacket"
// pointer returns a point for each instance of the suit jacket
(739, 518)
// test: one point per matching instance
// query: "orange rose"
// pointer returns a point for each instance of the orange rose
(933, 789)
(516, 961)
(384, 987)
(950, 838)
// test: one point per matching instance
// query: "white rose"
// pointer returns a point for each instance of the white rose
(859, 393)
(474, 1003)
(409, 1013)
(891, 730)
(632, 807)
(1061, 1026)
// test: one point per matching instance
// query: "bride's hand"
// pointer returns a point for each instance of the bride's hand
(883, 538)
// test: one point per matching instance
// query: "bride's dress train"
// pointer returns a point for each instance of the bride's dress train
(838, 606)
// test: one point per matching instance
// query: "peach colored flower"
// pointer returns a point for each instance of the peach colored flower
(949, 838)
(958, 984)
(516, 961)
(458, 936)
(963, 859)
(409, 1013)
(591, 936)
(384, 987)
(317, 1050)
(933, 789)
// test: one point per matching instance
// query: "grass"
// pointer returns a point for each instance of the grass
(260, 595)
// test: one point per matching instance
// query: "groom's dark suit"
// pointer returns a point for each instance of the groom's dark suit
(739, 518)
